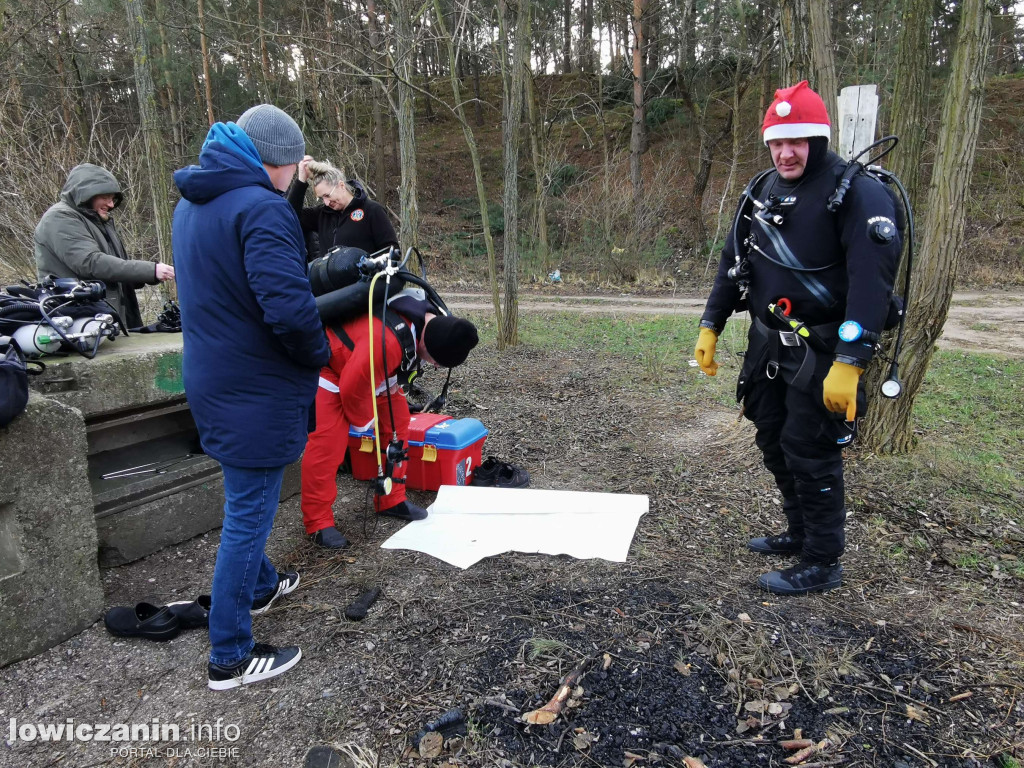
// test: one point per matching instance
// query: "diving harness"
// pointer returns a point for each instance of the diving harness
(750, 207)
(342, 265)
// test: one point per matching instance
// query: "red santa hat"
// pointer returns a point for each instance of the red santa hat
(797, 113)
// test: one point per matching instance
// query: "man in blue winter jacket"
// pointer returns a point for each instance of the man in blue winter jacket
(253, 349)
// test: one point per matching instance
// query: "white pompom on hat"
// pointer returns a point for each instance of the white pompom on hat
(797, 113)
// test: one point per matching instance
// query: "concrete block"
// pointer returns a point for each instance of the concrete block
(133, 400)
(136, 371)
(187, 503)
(49, 580)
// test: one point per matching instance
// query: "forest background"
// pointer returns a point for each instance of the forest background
(606, 139)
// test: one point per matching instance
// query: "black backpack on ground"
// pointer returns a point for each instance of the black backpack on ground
(13, 381)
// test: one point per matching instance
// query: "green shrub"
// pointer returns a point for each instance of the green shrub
(661, 110)
(562, 178)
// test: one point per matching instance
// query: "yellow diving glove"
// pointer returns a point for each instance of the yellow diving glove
(839, 389)
(705, 351)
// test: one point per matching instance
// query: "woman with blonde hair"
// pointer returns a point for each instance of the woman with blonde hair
(345, 214)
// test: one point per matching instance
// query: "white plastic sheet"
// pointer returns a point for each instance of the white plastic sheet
(467, 524)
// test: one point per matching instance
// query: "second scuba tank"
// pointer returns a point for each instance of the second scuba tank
(88, 329)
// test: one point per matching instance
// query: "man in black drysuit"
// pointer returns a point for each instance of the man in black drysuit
(833, 272)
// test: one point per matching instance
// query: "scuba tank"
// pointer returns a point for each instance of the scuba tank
(341, 280)
(58, 315)
(41, 339)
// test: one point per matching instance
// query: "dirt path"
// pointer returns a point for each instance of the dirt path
(979, 322)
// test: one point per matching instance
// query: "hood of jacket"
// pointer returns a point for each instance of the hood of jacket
(228, 160)
(85, 182)
(359, 197)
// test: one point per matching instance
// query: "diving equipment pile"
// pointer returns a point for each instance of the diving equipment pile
(60, 315)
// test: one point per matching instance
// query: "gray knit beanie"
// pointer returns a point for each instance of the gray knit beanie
(277, 137)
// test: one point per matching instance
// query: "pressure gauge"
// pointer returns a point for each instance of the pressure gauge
(892, 388)
(850, 331)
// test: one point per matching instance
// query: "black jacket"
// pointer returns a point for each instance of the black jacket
(363, 224)
(844, 272)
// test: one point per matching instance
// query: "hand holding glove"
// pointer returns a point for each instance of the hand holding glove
(839, 390)
(705, 351)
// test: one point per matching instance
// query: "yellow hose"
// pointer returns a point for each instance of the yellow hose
(373, 385)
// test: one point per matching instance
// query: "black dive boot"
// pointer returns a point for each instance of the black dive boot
(780, 544)
(806, 576)
(329, 538)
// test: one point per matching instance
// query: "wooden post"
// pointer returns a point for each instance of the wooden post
(858, 111)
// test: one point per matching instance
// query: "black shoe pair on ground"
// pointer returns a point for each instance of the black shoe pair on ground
(331, 538)
(499, 474)
(806, 576)
(156, 622)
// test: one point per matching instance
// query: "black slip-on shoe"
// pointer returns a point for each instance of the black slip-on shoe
(329, 538)
(499, 474)
(511, 476)
(286, 583)
(404, 511)
(192, 614)
(802, 578)
(486, 473)
(144, 620)
(781, 544)
(263, 662)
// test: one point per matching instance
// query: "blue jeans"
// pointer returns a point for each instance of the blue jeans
(242, 571)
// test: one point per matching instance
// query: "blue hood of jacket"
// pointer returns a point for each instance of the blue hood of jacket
(228, 160)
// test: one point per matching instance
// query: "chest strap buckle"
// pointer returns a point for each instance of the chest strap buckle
(789, 338)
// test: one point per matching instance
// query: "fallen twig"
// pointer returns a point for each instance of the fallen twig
(920, 754)
(796, 743)
(807, 752)
(550, 711)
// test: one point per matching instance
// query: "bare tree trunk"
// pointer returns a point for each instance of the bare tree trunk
(652, 42)
(206, 63)
(688, 35)
(264, 53)
(156, 165)
(823, 63)
(587, 37)
(606, 180)
(172, 96)
(536, 136)
(638, 136)
(378, 148)
(408, 194)
(478, 103)
(794, 42)
(910, 92)
(909, 107)
(75, 86)
(567, 38)
(478, 174)
(514, 77)
(932, 282)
